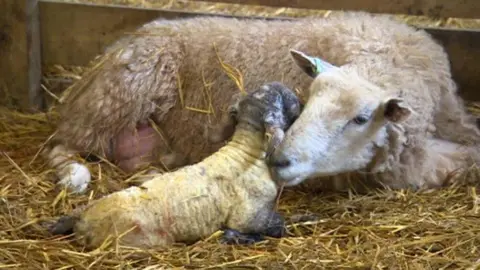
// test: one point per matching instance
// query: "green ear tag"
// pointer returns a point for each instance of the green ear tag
(320, 65)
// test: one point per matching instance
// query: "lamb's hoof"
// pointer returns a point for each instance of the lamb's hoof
(63, 226)
(75, 177)
(231, 237)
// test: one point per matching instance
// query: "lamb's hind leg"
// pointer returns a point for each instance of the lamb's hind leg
(71, 174)
(265, 223)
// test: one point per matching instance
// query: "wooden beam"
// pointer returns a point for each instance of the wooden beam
(20, 65)
(463, 48)
(72, 34)
(434, 8)
(80, 32)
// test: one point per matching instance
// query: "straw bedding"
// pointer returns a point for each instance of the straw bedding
(380, 230)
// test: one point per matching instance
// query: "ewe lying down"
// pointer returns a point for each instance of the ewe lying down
(352, 128)
(173, 64)
(230, 189)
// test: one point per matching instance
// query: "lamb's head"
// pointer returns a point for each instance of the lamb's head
(272, 109)
(342, 122)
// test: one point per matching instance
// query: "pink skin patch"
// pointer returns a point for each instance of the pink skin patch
(133, 149)
(161, 232)
(139, 230)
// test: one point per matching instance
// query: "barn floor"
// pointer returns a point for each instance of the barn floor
(380, 230)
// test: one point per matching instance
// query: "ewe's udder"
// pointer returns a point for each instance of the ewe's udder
(133, 149)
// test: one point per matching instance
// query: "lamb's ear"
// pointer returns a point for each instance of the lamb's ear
(310, 65)
(225, 129)
(234, 103)
(274, 136)
(291, 102)
(395, 110)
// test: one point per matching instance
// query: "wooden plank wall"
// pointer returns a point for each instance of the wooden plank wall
(463, 48)
(434, 8)
(86, 29)
(73, 34)
(20, 64)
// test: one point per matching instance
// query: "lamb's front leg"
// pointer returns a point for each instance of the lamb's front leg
(265, 223)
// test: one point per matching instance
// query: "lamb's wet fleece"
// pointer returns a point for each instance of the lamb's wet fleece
(231, 189)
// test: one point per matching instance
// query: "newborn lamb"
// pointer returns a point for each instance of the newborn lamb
(231, 189)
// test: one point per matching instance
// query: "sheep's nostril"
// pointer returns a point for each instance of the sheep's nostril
(280, 163)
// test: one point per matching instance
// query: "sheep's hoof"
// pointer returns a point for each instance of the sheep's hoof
(92, 158)
(75, 177)
(231, 237)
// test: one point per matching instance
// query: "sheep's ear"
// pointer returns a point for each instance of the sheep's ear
(313, 66)
(396, 110)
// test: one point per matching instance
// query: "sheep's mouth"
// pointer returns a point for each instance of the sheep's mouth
(295, 181)
(282, 181)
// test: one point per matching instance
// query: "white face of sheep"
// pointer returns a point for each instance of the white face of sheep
(344, 118)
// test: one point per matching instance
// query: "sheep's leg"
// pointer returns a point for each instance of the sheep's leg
(71, 174)
(265, 223)
(453, 123)
(448, 162)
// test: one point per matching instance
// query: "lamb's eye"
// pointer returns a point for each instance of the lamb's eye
(361, 119)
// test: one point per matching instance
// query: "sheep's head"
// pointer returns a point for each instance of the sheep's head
(342, 122)
(271, 109)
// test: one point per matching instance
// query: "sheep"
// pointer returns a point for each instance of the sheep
(232, 188)
(372, 122)
(168, 65)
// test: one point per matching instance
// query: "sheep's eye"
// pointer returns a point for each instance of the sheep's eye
(361, 119)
